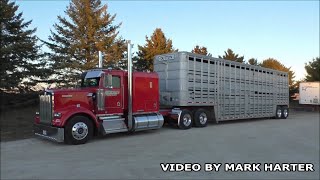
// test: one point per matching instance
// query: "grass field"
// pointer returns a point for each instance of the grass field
(17, 123)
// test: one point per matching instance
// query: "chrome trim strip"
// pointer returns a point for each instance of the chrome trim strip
(110, 117)
(150, 112)
(115, 114)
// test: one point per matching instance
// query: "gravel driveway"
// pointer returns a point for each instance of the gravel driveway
(138, 156)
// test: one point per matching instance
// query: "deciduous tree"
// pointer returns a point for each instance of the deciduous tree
(200, 50)
(276, 65)
(155, 45)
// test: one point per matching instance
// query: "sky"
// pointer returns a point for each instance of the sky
(285, 30)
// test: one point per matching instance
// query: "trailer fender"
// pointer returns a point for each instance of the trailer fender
(175, 114)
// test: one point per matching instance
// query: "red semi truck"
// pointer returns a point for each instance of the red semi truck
(190, 89)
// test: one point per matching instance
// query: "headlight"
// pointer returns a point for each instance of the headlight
(57, 115)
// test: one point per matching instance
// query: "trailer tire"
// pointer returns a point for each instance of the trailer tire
(186, 120)
(285, 112)
(201, 118)
(78, 130)
(278, 112)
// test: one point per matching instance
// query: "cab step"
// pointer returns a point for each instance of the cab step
(113, 125)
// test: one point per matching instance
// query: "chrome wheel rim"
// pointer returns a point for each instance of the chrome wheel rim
(279, 113)
(203, 118)
(186, 120)
(285, 113)
(79, 130)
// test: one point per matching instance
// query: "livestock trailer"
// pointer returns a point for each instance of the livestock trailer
(225, 90)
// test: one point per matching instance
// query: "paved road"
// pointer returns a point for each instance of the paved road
(138, 156)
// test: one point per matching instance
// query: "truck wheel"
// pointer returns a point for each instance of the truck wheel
(201, 118)
(278, 112)
(285, 112)
(78, 130)
(185, 121)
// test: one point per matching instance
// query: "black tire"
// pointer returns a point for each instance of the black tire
(186, 119)
(78, 130)
(278, 112)
(201, 117)
(285, 112)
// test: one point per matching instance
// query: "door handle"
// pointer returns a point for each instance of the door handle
(118, 103)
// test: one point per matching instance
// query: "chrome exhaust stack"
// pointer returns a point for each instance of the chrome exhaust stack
(100, 59)
(130, 119)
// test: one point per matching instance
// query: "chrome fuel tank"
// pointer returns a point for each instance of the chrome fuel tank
(149, 121)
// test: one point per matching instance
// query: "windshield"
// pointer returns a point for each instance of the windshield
(90, 79)
(90, 82)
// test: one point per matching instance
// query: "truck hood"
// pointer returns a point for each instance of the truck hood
(64, 98)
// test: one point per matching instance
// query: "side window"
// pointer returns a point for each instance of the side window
(115, 81)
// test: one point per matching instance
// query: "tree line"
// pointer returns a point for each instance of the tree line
(73, 44)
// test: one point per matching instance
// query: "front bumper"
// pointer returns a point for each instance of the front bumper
(48, 132)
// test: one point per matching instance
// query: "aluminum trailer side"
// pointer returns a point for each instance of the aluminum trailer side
(309, 93)
(222, 89)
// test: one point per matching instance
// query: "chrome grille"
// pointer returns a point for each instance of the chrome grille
(46, 108)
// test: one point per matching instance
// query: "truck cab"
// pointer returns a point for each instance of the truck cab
(100, 106)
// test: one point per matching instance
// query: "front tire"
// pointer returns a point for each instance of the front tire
(186, 120)
(285, 112)
(201, 118)
(78, 130)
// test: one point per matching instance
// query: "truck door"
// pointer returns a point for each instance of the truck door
(114, 95)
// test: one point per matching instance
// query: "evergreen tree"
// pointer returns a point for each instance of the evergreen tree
(200, 50)
(230, 55)
(253, 61)
(21, 62)
(157, 44)
(76, 42)
(313, 70)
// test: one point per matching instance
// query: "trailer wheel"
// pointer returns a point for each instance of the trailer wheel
(78, 130)
(186, 120)
(201, 118)
(278, 112)
(285, 112)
